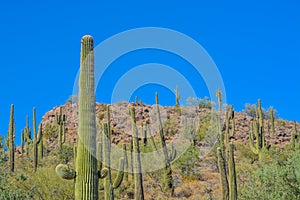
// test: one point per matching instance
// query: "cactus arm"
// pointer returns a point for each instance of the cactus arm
(120, 175)
(65, 172)
(173, 153)
(126, 166)
(151, 137)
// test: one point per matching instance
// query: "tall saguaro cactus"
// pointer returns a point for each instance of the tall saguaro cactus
(168, 183)
(86, 186)
(36, 141)
(61, 120)
(226, 161)
(11, 139)
(137, 169)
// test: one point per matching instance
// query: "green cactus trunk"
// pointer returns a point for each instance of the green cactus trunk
(41, 147)
(11, 139)
(36, 141)
(86, 186)
(272, 120)
(137, 169)
(108, 188)
(126, 164)
(233, 195)
(223, 175)
(27, 136)
(22, 143)
(61, 120)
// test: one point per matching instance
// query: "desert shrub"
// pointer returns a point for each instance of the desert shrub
(279, 179)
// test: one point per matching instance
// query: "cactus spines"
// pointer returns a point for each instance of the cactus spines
(86, 185)
(61, 120)
(65, 172)
(137, 169)
(11, 139)
(232, 174)
(223, 174)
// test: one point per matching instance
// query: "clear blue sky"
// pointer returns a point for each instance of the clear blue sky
(256, 46)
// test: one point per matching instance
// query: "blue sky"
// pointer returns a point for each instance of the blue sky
(255, 46)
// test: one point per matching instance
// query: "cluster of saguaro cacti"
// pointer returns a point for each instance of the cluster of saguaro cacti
(36, 142)
(257, 130)
(226, 161)
(11, 139)
(61, 120)
(104, 149)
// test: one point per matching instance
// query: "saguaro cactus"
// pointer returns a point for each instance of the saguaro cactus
(219, 96)
(168, 183)
(87, 174)
(257, 129)
(137, 169)
(11, 139)
(233, 195)
(226, 160)
(61, 120)
(27, 136)
(177, 97)
(36, 141)
(272, 118)
(223, 174)
(86, 186)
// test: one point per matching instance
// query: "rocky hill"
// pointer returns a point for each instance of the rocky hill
(146, 113)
